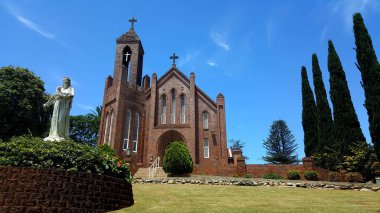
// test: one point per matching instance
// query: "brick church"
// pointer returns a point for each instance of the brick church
(142, 115)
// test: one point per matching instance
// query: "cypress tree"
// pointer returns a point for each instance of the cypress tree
(325, 123)
(347, 129)
(309, 116)
(369, 67)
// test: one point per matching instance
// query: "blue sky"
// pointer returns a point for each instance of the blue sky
(251, 51)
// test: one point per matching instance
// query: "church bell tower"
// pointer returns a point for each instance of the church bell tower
(129, 58)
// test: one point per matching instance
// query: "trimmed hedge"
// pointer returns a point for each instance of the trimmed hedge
(66, 155)
(272, 176)
(310, 175)
(177, 159)
(293, 175)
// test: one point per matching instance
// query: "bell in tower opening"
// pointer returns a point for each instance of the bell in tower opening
(126, 59)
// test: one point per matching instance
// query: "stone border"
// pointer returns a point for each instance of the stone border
(49, 190)
(207, 180)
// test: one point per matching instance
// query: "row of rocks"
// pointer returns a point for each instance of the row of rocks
(262, 182)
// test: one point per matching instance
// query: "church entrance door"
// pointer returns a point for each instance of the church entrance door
(165, 139)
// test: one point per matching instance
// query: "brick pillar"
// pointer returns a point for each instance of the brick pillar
(221, 131)
(151, 122)
(239, 162)
(192, 117)
(308, 163)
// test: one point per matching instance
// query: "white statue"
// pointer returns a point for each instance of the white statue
(60, 121)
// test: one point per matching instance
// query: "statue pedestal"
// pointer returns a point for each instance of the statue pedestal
(54, 138)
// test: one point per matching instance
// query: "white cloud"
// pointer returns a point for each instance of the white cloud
(346, 8)
(35, 27)
(85, 107)
(14, 11)
(323, 33)
(219, 40)
(269, 31)
(212, 63)
(189, 58)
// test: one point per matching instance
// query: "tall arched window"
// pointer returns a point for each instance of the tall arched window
(127, 128)
(182, 109)
(172, 108)
(110, 132)
(127, 53)
(163, 109)
(135, 136)
(105, 130)
(205, 120)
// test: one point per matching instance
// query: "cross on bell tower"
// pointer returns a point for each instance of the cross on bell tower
(174, 57)
(132, 20)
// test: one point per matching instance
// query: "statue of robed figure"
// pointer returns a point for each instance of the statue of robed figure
(60, 121)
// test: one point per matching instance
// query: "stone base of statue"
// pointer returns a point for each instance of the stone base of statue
(54, 138)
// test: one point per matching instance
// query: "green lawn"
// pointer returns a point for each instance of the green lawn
(213, 198)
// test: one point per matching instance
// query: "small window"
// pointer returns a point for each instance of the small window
(172, 108)
(135, 136)
(127, 129)
(163, 109)
(206, 149)
(110, 133)
(183, 109)
(205, 120)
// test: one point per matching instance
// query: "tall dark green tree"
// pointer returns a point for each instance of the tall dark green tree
(22, 95)
(85, 128)
(369, 67)
(347, 129)
(309, 116)
(325, 122)
(280, 144)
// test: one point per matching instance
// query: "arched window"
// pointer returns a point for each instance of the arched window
(163, 109)
(127, 53)
(105, 130)
(135, 136)
(127, 129)
(205, 120)
(172, 108)
(110, 132)
(182, 109)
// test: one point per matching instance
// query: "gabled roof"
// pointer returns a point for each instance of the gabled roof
(174, 71)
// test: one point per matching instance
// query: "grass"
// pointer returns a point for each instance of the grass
(214, 198)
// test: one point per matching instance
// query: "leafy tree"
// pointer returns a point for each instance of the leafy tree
(325, 122)
(363, 160)
(309, 116)
(177, 159)
(369, 67)
(280, 144)
(85, 128)
(347, 129)
(22, 95)
(237, 144)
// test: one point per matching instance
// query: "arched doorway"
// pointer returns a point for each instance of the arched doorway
(166, 138)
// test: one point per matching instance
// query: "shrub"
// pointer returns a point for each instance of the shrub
(310, 175)
(177, 159)
(293, 175)
(67, 155)
(247, 176)
(354, 177)
(272, 176)
(334, 177)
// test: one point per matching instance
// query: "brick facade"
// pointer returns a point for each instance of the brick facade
(48, 190)
(127, 93)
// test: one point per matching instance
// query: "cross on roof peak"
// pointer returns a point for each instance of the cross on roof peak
(132, 20)
(174, 57)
